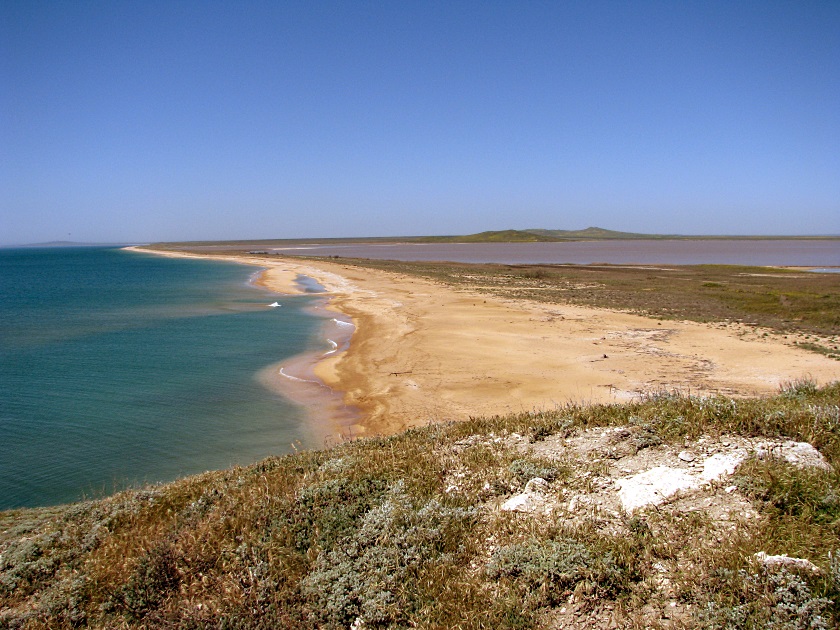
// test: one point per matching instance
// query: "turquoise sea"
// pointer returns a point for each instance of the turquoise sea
(119, 368)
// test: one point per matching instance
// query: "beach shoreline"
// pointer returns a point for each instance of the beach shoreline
(423, 353)
(299, 378)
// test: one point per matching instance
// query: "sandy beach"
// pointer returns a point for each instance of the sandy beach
(423, 352)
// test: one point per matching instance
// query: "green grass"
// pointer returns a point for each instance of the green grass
(368, 530)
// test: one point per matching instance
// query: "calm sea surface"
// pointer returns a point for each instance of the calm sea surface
(119, 368)
(726, 252)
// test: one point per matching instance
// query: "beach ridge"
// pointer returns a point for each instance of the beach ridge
(423, 352)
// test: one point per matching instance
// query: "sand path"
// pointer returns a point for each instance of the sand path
(423, 352)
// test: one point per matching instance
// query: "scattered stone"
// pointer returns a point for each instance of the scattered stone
(800, 454)
(522, 502)
(649, 476)
(785, 561)
(531, 500)
(687, 456)
(722, 464)
(537, 485)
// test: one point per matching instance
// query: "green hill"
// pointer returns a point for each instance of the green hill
(595, 233)
(537, 236)
(499, 236)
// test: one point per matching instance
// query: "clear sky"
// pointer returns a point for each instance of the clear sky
(176, 120)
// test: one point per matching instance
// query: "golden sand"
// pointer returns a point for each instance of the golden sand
(423, 352)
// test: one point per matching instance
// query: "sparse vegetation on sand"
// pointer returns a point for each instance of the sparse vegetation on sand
(784, 300)
(410, 530)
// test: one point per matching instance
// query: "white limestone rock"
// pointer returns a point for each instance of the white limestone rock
(653, 486)
(801, 454)
(722, 464)
(537, 485)
(785, 561)
(687, 456)
(532, 499)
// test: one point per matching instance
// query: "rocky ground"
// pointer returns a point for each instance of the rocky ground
(625, 470)
(667, 512)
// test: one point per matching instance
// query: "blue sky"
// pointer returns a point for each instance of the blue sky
(176, 120)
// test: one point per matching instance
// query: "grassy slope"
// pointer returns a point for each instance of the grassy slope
(596, 233)
(369, 529)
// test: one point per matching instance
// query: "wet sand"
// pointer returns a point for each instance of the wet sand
(331, 419)
(422, 352)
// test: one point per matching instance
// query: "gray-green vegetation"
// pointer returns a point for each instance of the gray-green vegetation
(370, 534)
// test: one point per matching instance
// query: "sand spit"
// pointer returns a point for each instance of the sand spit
(423, 352)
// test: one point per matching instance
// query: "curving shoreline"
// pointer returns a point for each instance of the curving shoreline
(424, 353)
(298, 378)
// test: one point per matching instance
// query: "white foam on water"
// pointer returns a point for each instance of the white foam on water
(342, 323)
(275, 305)
(295, 378)
(334, 347)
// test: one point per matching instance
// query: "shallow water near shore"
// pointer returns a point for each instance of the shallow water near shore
(118, 368)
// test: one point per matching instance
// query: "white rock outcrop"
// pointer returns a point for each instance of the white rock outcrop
(653, 486)
(532, 499)
(722, 464)
(801, 454)
(785, 561)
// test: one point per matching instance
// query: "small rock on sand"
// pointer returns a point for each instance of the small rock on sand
(687, 456)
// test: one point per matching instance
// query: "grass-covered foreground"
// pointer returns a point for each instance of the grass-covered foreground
(406, 531)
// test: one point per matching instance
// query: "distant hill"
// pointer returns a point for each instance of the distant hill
(540, 235)
(596, 233)
(498, 236)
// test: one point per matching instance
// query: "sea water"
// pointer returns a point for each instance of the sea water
(120, 368)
